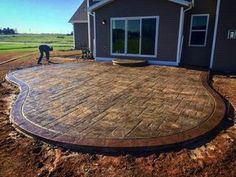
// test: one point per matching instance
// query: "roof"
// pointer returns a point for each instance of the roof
(80, 16)
(105, 2)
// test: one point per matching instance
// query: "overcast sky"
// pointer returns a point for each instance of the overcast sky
(38, 16)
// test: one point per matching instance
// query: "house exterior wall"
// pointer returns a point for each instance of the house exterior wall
(225, 51)
(169, 14)
(80, 35)
(199, 56)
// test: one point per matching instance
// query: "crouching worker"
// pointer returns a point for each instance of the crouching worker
(44, 49)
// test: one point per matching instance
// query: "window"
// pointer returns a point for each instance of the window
(198, 30)
(134, 36)
(148, 36)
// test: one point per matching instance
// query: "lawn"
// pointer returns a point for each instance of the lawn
(30, 42)
(38, 38)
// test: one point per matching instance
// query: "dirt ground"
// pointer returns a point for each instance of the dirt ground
(30, 60)
(23, 156)
(9, 54)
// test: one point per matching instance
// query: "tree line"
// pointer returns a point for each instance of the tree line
(8, 31)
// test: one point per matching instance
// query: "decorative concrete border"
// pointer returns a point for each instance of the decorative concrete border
(21, 123)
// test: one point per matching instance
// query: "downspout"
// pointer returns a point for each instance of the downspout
(89, 26)
(190, 6)
(182, 38)
(188, 9)
(215, 34)
(94, 33)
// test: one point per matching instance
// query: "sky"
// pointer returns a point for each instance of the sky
(38, 16)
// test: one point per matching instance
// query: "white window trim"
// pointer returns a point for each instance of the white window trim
(126, 37)
(206, 30)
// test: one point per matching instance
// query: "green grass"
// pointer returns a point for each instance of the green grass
(38, 38)
(30, 42)
(30, 47)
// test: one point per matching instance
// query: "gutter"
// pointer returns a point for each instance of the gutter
(78, 21)
(105, 2)
(182, 2)
(98, 5)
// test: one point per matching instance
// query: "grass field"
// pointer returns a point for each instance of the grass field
(38, 38)
(30, 42)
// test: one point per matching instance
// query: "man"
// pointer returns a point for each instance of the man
(44, 49)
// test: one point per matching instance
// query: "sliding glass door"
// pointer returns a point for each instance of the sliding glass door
(133, 42)
(118, 36)
(134, 36)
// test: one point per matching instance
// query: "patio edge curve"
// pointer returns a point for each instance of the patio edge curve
(21, 123)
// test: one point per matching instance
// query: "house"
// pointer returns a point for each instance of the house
(198, 33)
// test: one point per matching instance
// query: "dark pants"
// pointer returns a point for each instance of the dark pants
(42, 54)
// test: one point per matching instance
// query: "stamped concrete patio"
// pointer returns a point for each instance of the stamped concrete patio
(99, 105)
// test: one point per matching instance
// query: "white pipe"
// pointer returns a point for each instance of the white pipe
(94, 36)
(181, 34)
(215, 34)
(89, 26)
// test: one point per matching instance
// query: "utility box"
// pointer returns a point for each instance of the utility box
(232, 34)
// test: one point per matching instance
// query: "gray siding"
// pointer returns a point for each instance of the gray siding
(168, 12)
(199, 56)
(81, 35)
(225, 53)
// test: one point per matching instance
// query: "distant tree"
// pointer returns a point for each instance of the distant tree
(8, 31)
(71, 33)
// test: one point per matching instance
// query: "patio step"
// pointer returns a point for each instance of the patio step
(130, 62)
